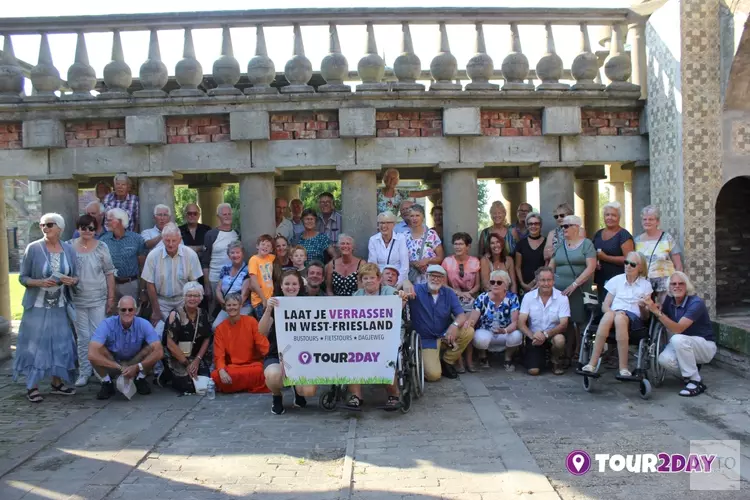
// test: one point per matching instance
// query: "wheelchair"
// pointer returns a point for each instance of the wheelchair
(409, 371)
(649, 341)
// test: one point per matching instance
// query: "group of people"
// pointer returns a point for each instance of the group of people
(183, 302)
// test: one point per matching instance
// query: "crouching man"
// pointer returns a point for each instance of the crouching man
(124, 345)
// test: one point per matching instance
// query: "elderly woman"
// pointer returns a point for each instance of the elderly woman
(662, 251)
(389, 198)
(388, 248)
(495, 320)
(574, 263)
(556, 236)
(341, 272)
(423, 244)
(46, 345)
(96, 211)
(612, 243)
(623, 307)
(95, 293)
(500, 227)
(497, 260)
(186, 339)
(530, 253)
(316, 244)
(463, 272)
(233, 278)
(290, 286)
(691, 334)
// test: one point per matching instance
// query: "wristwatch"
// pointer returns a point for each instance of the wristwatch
(546, 335)
(140, 367)
(455, 324)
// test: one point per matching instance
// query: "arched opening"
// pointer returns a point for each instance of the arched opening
(733, 249)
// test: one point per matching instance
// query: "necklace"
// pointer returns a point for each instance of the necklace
(534, 237)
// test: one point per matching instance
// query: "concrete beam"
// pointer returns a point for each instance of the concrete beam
(407, 150)
(249, 126)
(16, 163)
(462, 121)
(43, 134)
(604, 149)
(357, 122)
(303, 153)
(509, 150)
(205, 157)
(561, 120)
(145, 129)
(99, 161)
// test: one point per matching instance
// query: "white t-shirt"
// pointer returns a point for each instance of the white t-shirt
(219, 257)
(626, 294)
(545, 317)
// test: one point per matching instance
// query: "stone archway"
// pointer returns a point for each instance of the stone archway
(733, 246)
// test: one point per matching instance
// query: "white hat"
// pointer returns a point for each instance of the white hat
(434, 268)
(391, 267)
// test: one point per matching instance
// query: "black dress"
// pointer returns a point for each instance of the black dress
(612, 247)
(344, 286)
(531, 259)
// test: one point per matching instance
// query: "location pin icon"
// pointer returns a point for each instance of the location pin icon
(578, 462)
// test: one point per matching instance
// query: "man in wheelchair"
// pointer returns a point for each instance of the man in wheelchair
(625, 308)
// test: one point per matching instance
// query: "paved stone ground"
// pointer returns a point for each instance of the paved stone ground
(492, 435)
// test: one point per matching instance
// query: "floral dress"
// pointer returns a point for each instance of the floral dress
(488, 310)
(393, 203)
(658, 254)
(431, 241)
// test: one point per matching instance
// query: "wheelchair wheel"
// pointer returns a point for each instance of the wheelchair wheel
(417, 365)
(645, 389)
(405, 402)
(328, 399)
(587, 383)
(657, 346)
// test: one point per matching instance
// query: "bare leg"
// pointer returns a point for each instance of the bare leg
(621, 331)
(605, 325)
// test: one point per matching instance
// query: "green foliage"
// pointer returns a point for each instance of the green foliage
(483, 191)
(183, 195)
(232, 196)
(310, 191)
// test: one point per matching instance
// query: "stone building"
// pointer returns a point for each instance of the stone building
(668, 115)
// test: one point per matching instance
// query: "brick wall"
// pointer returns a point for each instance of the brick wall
(600, 122)
(183, 130)
(305, 125)
(10, 135)
(511, 123)
(733, 244)
(95, 133)
(409, 123)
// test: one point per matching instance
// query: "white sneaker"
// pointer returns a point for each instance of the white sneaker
(82, 381)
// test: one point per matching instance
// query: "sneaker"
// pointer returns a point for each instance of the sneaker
(82, 381)
(141, 385)
(107, 391)
(299, 401)
(278, 405)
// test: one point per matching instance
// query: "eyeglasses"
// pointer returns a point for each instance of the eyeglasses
(435, 276)
(631, 264)
(48, 225)
(384, 223)
(559, 216)
(533, 224)
(194, 296)
(193, 213)
(87, 228)
(460, 270)
(678, 283)
(127, 309)
(496, 282)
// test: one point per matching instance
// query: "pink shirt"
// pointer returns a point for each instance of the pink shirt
(470, 274)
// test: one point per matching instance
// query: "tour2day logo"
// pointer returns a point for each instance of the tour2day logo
(712, 464)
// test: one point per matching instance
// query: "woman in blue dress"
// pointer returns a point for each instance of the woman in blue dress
(46, 343)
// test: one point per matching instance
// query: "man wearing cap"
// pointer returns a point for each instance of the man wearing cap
(439, 319)
(390, 278)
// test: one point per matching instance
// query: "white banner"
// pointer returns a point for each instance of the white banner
(338, 340)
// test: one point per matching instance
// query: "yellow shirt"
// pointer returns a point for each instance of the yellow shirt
(262, 268)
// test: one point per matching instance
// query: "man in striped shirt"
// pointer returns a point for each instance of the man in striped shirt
(121, 198)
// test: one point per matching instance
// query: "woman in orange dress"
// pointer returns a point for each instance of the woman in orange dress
(238, 351)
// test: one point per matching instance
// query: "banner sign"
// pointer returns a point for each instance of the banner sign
(338, 340)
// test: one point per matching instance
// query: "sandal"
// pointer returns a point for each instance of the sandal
(484, 363)
(624, 372)
(509, 366)
(392, 404)
(354, 403)
(459, 365)
(696, 389)
(557, 368)
(589, 369)
(62, 390)
(34, 396)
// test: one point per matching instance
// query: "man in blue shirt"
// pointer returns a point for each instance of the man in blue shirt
(124, 345)
(440, 321)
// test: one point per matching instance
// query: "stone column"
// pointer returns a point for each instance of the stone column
(641, 194)
(4, 268)
(639, 75)
(460, 201)
(209, 198)
(556, 186)
(288, 191)
(587, 191)
(61, 196)
(154, 191)
(514, 193)
(358, 204)
(618, 189)
(257, 208)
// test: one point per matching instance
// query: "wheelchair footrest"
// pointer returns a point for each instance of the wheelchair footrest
(588, 374)
(395, 407)
(632, 378)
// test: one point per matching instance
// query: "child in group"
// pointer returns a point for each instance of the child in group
(260, 268)
(299, 256)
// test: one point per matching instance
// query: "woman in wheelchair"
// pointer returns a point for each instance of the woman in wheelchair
(624, 307)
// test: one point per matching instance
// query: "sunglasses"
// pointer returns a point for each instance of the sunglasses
(558, 216)
(460, 270)
(48, 225)
(127, 309)
(533, 224)
(631, 264)
(566, 226)
(87, 228)
(498, 282)
(193, 213)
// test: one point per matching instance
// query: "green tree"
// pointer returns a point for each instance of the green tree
(310, 191)
(183, 195)
(483, 192)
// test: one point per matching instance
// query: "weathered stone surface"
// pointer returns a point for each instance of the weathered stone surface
(249, 125)
(291, 153)
(145, 129)
(604, 148)
(154, 191)
(561, 120)
(257, 195)
(200, 157)
(98, 161)
(358, 206)
(23, 163)
(459, 189)
(509, 150)
(407, 150)
(38, 134)
(462, 121)
(357, 122)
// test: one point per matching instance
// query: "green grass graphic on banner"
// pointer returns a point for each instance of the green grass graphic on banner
(336, 381)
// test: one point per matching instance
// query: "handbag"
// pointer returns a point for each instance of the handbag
(187, 346)
(414, 273)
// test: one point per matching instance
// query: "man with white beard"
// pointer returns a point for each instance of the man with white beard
(439, 319)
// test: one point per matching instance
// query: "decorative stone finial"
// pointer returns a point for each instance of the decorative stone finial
(371, 67)
(44, 76)
(444, 66)
(617, 66)
(549, 68)
(480, 67)
(407, 67)
(11, 75)
(585, 67)
(117, 74)
(515, 66)
(226, 68)
(81, 76)
(153, 74)
(260, 70)
(334, 67)
(188, 71)
(298, 69)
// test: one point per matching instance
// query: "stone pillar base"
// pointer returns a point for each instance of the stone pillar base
(359, 207)
(460, 205)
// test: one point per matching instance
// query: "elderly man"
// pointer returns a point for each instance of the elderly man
(166, 271)
(315, 278)
(284, 226)
(124, 345)
(128, 251)
(162, 216)
(543, 319)
(329, 220)
(121, 198)
(297, 208)
(193, 232)
(439, 319)
(95, 210)
(405, 209)
(214, 255)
